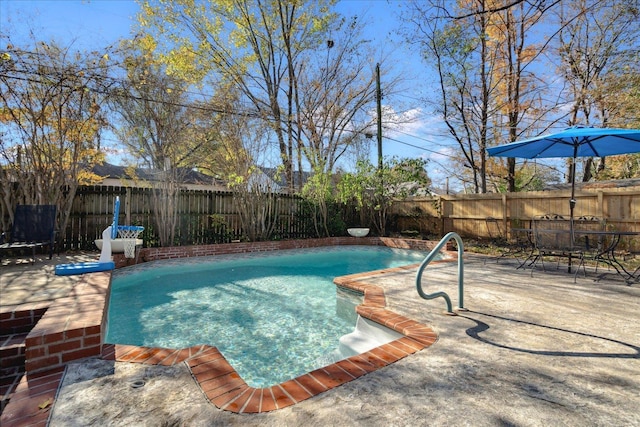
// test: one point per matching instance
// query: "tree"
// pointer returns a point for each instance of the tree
(489, 62)
(336, 95)
(51, 107)
(621, 167)
(252, 45)
(318, 191)
(458, 51)
(598, 50)
(153, 112)
(241, 145)
(354, 188)
(374, 189)
(160, 127)
(337, 90)
(529, 177)
(520, 90)
(466, 59)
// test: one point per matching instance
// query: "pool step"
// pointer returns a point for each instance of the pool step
(12, 358)
(366, 336)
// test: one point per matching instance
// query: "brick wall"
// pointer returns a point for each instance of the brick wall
(71, 328)
(154, 254)
(22, 319)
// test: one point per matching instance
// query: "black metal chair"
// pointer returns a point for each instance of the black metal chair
(33, 227)
(591, 245)
(496, 236)
(553, 238)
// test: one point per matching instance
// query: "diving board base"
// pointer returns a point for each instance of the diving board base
(84, 267)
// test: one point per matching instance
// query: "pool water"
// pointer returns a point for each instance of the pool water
(273, 316)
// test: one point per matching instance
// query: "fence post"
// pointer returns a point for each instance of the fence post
(600, 205)
(441, 207)
(127, 205)
(505, 217)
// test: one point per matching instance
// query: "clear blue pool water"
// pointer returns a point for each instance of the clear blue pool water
(273, 315)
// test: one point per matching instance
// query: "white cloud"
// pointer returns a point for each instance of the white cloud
(405, 123)
(442, 154)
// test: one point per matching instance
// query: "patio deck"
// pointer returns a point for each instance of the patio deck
(530, 351)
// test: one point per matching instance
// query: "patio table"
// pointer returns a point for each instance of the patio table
(607, 253)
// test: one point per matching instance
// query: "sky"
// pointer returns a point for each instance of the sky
(92, 24)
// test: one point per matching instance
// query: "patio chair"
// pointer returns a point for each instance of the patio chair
(522, 243)
(552, 238)
(33, 227)
(497, 238)
(591, 245)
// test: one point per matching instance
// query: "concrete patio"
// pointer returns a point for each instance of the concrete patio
(535, 350)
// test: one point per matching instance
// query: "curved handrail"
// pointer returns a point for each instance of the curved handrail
(429, 258)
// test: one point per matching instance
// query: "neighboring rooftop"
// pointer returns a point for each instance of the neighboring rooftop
(592, 185)
(116, 175)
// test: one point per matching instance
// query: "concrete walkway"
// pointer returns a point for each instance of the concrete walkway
(24, 282)
(531, 351)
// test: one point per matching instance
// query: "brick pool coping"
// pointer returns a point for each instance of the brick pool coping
(71, 329)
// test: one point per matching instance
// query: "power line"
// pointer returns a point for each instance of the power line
(421, 138)
(421, 148)
(137, 97)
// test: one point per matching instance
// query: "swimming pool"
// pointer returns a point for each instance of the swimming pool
(274, 316)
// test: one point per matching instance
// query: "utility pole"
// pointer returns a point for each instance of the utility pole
(379, 108)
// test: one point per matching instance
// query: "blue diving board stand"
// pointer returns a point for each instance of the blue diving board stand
(105, 263)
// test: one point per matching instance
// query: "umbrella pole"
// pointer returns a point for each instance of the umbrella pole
(572, 201)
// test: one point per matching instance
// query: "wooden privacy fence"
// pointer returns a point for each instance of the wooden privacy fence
(204, 217)
(492, 216)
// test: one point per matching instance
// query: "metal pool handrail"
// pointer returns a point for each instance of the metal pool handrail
(426, 262)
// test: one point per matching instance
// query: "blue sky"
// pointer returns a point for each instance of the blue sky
(99, 23)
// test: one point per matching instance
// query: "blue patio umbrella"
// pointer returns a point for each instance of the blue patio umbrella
(573, 142)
